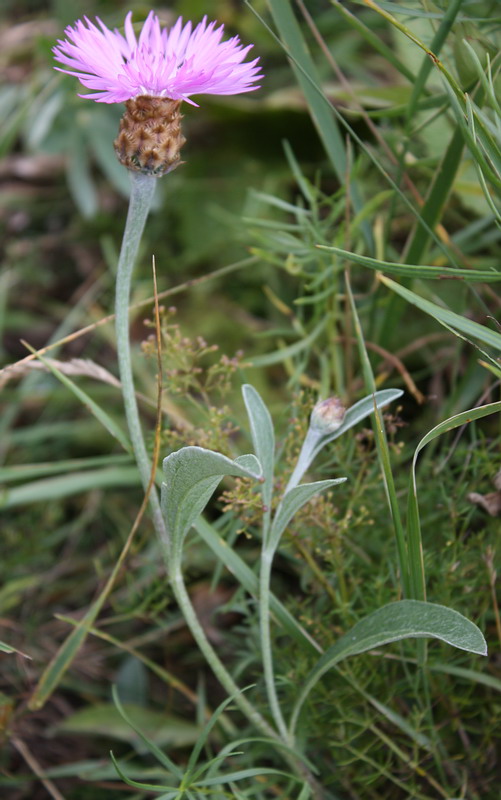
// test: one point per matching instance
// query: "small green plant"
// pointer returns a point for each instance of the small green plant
(191, 476)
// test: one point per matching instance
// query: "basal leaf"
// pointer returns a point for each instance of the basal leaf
(406, 619)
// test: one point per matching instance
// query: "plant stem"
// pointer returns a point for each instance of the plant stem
(224, 677)
(142, 190)
(305, 458)
(264, 626)
(218, 668)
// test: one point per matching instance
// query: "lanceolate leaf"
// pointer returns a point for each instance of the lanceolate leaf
(406, 619)
(191, 476)
(293, 501)
(263, 436)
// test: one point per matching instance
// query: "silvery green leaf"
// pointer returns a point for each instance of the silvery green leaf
(191, 476)
(406, 619)
(293, 501)
(250, 462)
(263, 437)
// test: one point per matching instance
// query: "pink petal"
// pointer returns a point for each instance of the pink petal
(172, 63)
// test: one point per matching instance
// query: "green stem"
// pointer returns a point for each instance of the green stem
(305, 458)
(142, 190)
(224, 677)
(264, 626)
(218, 668)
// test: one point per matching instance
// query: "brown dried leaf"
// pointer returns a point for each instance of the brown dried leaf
(489, 502)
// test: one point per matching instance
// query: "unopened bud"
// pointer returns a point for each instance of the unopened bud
(327, 415)
(150, 138)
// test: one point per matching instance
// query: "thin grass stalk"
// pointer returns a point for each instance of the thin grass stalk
(383, 452)
(321, 112)
(386, 52)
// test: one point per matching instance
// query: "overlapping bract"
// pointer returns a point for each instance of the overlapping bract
(175, 63)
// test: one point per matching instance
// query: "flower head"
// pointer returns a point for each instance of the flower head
(327, 415)
(173, 64)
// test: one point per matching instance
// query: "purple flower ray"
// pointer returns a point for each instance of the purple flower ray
(175, 63)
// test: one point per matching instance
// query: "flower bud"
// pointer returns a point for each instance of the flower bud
(150, 138)
(327, 415)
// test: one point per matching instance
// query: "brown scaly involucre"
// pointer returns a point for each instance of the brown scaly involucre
(150, 138)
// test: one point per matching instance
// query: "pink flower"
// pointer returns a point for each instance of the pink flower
(172, 64)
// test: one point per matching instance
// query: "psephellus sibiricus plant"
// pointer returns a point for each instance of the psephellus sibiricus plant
(153, 74)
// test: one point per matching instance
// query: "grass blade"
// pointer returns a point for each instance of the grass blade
(291, 35)
(100, 414)
(67, 485)
(446, 317)
(321, 112)
(413, 522)
(382, 446)
(416, 270)
(250, 582)
(441, 186)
